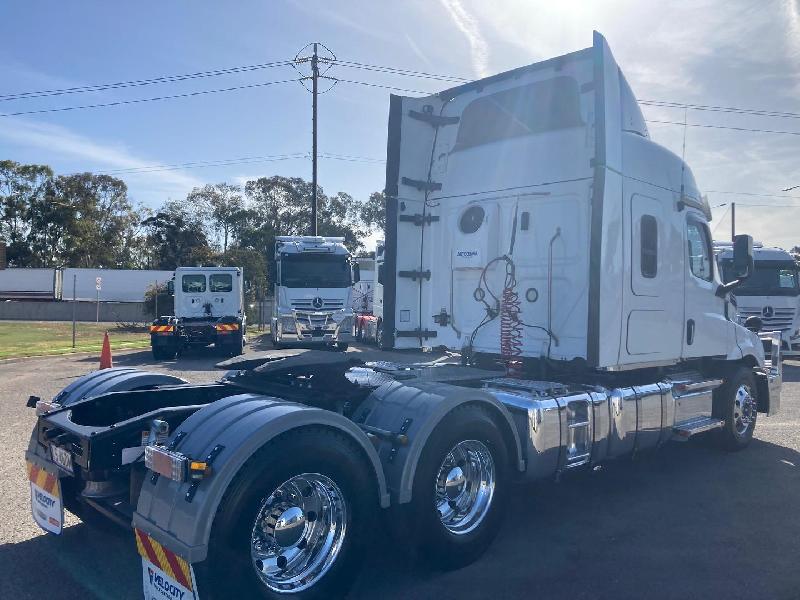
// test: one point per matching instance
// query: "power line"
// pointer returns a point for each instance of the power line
(154, 99)
(720, 220)
(709, 126)
(397, 71)
(225, 162)
(758, 195)
(758, 112)
(378, 85)
(143, 82)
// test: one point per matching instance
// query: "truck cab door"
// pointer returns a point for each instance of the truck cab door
(706, 328)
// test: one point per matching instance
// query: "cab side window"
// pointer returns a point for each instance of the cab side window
(699, 245)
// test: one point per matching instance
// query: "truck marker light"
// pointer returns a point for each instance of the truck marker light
(198, 470)
(166, 463)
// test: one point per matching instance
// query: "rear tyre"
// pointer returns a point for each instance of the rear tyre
(735, 401)
(460, 491)
(294, 527)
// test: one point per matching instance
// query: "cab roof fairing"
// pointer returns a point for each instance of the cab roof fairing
(310, 245)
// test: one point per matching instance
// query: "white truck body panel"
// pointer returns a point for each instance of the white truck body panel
(208, 292)
(772, 293)
(30, 284)
(117, 285)
(547, 171)
(313, 291)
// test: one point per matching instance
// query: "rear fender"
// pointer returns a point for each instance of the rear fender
(416, 410)
(240, 425)
(121, 379)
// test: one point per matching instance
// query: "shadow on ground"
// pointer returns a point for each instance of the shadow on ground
(688, 521)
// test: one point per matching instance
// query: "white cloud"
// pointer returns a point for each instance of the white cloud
(95, 155)
(468, 24)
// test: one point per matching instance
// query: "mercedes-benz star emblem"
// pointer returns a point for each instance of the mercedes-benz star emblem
(768, 311)
(317, 302)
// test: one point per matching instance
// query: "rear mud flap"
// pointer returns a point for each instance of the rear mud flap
(165, 575)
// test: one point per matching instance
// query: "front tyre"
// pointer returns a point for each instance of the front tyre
(460, 489)
(735, 401)
(294, 522)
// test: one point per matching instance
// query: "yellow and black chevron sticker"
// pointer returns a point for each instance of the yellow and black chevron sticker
(45, 480)
(173, 565)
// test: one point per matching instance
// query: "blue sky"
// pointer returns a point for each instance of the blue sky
(711, 52)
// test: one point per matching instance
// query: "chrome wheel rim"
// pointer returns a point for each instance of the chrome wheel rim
(465, 486)
(298, 533)
(744, 409)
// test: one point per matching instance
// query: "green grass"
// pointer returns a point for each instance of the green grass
(42, 338)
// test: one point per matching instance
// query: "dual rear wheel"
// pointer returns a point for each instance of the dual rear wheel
(298, 526)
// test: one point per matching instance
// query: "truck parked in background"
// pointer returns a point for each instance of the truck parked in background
(30, 284)
(313, 292)
(116, 285)
(369, 324)
(771, 293)
(364, 287)
(209, 310)
(534, 227)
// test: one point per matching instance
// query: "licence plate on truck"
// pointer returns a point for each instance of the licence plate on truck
(165, 575)
(61, 457)
(46, 505)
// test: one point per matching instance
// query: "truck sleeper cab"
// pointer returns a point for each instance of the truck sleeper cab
(576, 276)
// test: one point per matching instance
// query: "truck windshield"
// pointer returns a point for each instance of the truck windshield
(770, 278)
(315, 270)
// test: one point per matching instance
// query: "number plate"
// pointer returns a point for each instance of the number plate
(61, 457)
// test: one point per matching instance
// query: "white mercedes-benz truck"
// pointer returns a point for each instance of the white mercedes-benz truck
(209, 310)
(771, 293)
(532, 226)
(313, 300)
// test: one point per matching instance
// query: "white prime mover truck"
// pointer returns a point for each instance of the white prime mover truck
(209, 309)
(533, 226)
(369, 323)
(313, 300)
(771, 293)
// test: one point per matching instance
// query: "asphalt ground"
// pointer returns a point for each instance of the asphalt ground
(687, 521)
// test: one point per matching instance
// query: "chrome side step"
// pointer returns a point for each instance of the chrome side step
(683, 431)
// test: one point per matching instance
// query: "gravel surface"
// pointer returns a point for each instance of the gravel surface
(688, 521)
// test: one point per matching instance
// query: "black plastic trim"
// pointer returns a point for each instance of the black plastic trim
(390, 232)
(596, 226)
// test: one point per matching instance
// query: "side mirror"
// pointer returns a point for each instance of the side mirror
(743, 265)
(356, 273)
(743, 256)
(171, 287)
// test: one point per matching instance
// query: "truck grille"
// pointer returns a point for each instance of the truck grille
(781, 320)
(315, 321)
(327, 304)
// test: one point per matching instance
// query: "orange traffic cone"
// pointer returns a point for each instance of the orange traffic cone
(105, 355)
